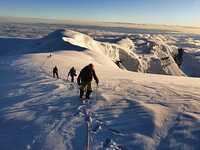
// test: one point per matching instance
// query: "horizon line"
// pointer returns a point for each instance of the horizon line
(62, 21)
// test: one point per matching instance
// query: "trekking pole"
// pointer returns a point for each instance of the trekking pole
(96, 90)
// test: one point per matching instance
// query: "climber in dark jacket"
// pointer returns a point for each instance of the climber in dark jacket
(55, 72)
(85, 79)
(72, 73)
(179, 57)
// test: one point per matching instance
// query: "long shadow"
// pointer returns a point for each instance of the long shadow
(13, 90)
(51, 43)
(132, 120)
(23, 133)
(10, 80)
(191, 64)
(18, 134)
(43, 109)
(10, 46)
(185, 133)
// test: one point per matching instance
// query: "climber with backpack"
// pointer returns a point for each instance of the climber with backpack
(72, 74)
(84, 80)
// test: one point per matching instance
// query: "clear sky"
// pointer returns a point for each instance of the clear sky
(176, 12)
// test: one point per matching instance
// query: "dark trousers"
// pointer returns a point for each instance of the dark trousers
(55, 74)
(72, 78)
(86, 87)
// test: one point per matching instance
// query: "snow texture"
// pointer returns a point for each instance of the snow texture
(130, 109)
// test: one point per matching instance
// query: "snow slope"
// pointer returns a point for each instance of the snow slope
(129, 110)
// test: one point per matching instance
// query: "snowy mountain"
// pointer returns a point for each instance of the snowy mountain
(152, 61)
(130, 109)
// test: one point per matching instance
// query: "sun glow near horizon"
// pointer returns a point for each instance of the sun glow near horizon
(172, 12)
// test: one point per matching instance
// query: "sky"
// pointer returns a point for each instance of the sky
(170, 12)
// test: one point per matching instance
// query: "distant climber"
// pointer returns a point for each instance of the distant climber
(179, 57)
(118, 63)
(49, 56)
(72, 74)
(55, 72)
(85, 80)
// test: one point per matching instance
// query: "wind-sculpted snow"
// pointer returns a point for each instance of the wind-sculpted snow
(125, 52)
(128, 110)
(27, 38)
(131, 110)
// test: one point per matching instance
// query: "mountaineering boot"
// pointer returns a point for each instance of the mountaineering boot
(81, 93)
(88, 94)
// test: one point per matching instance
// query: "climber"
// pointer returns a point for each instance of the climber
(179, 57)
(72, 74)
(85, 80)
(118, 63)
(55, 72)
